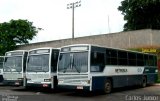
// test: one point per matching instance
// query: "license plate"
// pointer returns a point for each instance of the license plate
(17, 83)
(45, 85)
(79, 87)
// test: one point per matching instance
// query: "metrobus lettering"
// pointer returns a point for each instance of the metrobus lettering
(121, 70)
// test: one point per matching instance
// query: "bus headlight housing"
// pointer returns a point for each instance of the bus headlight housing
(47, 80)
(60, 81)
(85, 82)
(20, 79)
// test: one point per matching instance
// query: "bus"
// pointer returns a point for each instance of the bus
(92, 67)
(42, 67)
(14, 67)
(1, 68)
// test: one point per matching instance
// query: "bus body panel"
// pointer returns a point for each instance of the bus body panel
(73, 81)
(36, 77)
(42, 57)
(1, 68)
(17, 79)
(13, 79)
(11, 74)
(121, 67)
(124, 79)
(151, 74)
(38, 80)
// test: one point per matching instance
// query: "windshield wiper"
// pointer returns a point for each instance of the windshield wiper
(8, 67)
(75, 67)
(64, 69)
(68, 65)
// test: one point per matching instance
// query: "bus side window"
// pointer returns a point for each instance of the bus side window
(111, 57)
(146, 59)
(132, 59)
(151, 60)
(97, 62)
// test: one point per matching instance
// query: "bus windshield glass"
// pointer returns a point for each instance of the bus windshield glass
(73, 62)
(13, 64)
(38, 63)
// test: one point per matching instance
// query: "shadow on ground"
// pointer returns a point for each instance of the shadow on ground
(75, 93)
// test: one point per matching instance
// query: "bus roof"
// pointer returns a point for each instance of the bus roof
(95, 45)
(17, 51)
(43, 48)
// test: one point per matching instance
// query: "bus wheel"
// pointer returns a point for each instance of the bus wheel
(107, 87)
(144, 82)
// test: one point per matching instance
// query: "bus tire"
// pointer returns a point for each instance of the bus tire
(107, 87)
(144, 82)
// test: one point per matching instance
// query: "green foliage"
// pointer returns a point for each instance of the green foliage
(158, 81)
(135, 49)
(141, 14)
(15, 32)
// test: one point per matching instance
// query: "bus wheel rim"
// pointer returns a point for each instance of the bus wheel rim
(107, 87)
(144, 82)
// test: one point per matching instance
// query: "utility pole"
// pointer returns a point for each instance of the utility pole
(109, 30)
(72, 6)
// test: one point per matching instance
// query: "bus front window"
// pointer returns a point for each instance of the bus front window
(38, 63)
(13, 64)
(73, 62)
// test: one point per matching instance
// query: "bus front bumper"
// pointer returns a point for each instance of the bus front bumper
(13, 82)
(74, 87)
(39, 85)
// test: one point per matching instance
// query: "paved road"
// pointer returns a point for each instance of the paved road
(150, 93)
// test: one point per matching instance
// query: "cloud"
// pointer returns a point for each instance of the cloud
(56, 20)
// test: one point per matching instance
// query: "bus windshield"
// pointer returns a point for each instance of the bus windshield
(13, 64)
(73, 62)
(38, 63)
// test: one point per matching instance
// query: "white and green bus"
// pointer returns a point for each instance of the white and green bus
(1, 68)
(14, 67)
(92, 68)
(42, 67)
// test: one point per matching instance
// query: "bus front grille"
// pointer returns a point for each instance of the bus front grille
(37, 76)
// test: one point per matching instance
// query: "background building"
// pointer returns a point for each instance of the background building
(129, 39)
(147, 39)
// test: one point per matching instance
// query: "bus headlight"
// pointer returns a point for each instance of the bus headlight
(60, 81)
(28, 79)
(20, 79)
(156, 70)
(47, 80)
(85, 82)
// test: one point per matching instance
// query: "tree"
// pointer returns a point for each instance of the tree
(141, 14)
(16, 32)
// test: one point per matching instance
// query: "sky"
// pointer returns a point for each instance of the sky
(93, 17)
